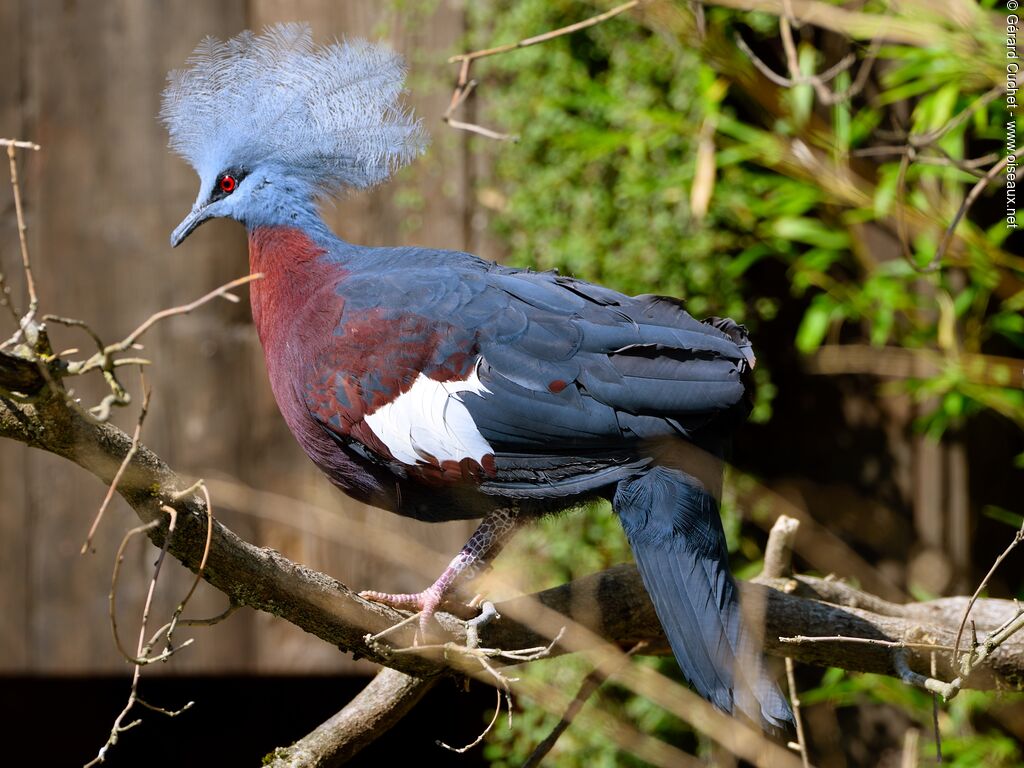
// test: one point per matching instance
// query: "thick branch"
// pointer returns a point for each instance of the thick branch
(380, 705)
(612, 604)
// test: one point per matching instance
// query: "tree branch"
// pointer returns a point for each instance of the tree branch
(611, 605)
(379, 706)
(266, 580)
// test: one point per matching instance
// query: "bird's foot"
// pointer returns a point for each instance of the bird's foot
(470, 563)
(426, 603)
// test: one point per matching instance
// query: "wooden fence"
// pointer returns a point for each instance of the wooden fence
(83, 79)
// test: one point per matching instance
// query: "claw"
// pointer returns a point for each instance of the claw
(467, 565)
(425, 602)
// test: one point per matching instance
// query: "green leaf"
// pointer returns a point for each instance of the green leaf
(815, 323)
(1013, 519)
(812, 232)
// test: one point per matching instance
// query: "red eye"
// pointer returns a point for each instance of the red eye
(228, 184)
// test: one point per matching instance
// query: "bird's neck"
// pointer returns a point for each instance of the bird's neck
(295, 270)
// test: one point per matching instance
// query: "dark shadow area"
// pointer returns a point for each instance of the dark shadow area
(63, 721)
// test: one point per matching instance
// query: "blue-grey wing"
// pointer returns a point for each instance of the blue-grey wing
(579, 379)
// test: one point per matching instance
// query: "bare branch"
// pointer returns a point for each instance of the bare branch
(266, 580)
(973, 195)
(141, 656)
(794, 698)
(543, 38)
(796, 78)
(379, 706)
(5, 292)
(778, 552)
(26, 264)
(87, 544)
(103, 359)
(221, 292)
(20, 144)
(464, 86)
(778, 564)
(138, 659)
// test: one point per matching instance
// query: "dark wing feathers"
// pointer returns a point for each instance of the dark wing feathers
(620, 353)
(571, 369)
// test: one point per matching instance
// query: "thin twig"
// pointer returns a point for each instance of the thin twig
(141, 655)
(976, 658)
(168, 629)
(897, 644)
(207, 622)
(212, 620)
(864, 72)
(184, 309)
(973, 195)
(112, 598)
(6, 300)
(1017, 538)
(147, 391)
(206, 547)
(490, 725)
(935, 713)
(30, 283)
(915, 143)
(543, 38)
(901, 199)
(481, 656)
(587, 689)
(922, 140)
(479, 129)
(74, 322)
(464, 86)
(104, 360)
(794, 699)
(162, 710)
(139, 658)
(20, 144)
(147, 606)
(22, 228)
(967, 166)
(818, 82)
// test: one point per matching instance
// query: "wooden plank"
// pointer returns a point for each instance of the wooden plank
(434, 215)
(99, 210)
(14, 518)
(102, 199)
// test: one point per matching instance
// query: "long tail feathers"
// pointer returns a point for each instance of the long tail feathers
(676, 534)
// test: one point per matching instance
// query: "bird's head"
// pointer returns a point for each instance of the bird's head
(272, 124)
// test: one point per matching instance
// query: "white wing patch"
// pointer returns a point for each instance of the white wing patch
(430, 421)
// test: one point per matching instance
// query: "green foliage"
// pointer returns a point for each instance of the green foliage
(599, 184)
(964, 745)
(582, 746)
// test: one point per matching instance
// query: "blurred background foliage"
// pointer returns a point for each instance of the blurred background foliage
(655, 154)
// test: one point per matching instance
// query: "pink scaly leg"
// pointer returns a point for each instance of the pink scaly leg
(472, 561)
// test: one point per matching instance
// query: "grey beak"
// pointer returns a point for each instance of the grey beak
(196, 216)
